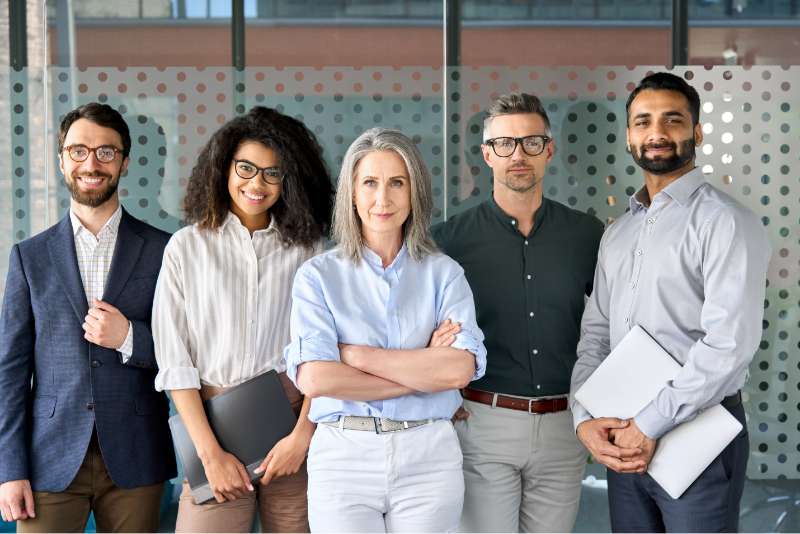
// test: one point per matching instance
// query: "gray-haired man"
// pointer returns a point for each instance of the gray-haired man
(530, 262)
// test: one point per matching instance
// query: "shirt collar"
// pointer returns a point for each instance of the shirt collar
(375, 261)
(680, 190)
(684, 187)
(510, 222)
(233, 220)
(111, 225)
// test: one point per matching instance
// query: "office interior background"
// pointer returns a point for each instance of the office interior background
(178, 69)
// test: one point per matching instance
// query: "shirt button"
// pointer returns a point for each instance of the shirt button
(531, 314)
(513, 222)
(538, 386)
(535, 351)
(96, 363)
(627, 320)
(639, 252)
(90, 406)
(526, 241)
(529, 277)
(651, 220)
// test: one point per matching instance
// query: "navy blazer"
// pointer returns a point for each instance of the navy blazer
(56, 387)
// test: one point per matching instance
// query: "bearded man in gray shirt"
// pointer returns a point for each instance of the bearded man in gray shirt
(688, 264)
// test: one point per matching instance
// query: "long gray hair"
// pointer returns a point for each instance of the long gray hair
(347, 223)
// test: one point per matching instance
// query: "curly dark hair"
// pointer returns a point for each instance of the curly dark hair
(100, 114)
(303, 211)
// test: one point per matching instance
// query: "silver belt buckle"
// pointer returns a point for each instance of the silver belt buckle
(530, 404)
(378, 425)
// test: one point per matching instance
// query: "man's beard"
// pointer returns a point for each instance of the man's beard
(95, 198)
(521, 183)
(681, 155)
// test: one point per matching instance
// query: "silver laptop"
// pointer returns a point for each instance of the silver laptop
(627, 380)
(248, 420)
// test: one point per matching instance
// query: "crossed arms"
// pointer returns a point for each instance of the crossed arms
(369, 373)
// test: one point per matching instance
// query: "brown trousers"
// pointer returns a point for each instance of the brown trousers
(115, 509)
(282, 504)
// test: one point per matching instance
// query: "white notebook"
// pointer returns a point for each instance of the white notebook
(627, 380)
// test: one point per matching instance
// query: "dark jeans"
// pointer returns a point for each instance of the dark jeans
(711, 504)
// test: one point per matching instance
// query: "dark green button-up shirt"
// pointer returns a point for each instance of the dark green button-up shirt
(529, 291)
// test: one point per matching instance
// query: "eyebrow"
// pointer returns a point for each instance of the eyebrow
(390, 178)
(671, 113)
(86, 145)
(243, 160)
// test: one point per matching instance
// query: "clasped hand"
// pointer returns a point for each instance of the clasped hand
(618, 444)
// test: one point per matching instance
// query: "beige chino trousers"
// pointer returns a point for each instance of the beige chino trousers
(522, 472)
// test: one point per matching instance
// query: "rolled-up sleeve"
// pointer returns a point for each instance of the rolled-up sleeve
(736, 254)
(313, 330)
(176, 367)
(458, 305)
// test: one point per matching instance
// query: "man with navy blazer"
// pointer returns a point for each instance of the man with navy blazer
(81, 426)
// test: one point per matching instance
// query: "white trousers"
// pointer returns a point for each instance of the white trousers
(395, 482)
(522, 472)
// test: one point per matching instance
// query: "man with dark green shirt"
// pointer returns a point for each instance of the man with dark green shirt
(530, 262)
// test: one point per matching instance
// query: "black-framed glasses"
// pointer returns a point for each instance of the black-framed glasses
(103, 153)
(247, 170)
(532, 145)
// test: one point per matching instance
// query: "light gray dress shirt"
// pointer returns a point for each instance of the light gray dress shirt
(690, 269)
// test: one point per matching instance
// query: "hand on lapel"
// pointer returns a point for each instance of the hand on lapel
(105, 325)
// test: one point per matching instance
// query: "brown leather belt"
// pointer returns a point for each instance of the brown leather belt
(537, 406)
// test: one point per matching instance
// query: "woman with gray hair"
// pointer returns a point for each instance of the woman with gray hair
(365, 346)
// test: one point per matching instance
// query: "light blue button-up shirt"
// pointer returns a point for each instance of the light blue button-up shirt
(335, 300)
(691, 270)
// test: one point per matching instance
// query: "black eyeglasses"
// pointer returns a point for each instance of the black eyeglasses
(103, 153)
(532, 145)
(245, 169)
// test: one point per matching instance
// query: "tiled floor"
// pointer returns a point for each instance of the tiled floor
(767, 505)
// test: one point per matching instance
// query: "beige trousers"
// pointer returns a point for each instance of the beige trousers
(522, 472)
(282, 506)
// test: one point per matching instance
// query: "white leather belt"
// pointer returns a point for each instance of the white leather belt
(379, 425)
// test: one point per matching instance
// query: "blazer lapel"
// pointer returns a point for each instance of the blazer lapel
(65, 262)
(126, 255)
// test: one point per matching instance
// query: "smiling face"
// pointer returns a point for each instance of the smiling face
(382, 194)
(91, 182)
(252, 198)
(660, 134)
(518, 172)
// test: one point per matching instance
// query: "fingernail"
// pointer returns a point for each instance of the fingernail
(257, 470)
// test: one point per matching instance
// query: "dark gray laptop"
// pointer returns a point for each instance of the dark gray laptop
(248, 420)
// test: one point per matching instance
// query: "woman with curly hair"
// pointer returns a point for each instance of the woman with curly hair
(259, 202)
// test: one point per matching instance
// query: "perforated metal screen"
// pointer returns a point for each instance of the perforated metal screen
(751, 123)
